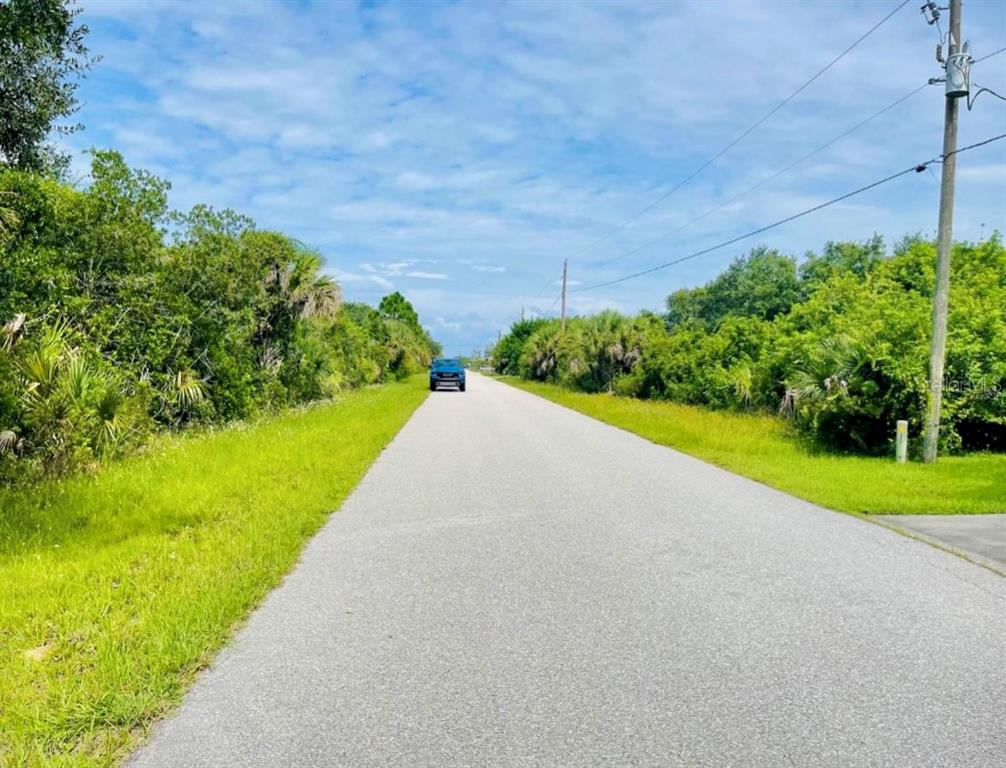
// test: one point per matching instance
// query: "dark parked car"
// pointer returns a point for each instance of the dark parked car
(447, 372)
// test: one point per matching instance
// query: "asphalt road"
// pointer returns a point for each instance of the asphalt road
(515, 584)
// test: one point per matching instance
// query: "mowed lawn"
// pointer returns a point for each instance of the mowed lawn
(762, 447)
(115, 589)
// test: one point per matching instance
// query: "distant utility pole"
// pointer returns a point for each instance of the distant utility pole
(522, 314)
(565, 264)
(941, 298)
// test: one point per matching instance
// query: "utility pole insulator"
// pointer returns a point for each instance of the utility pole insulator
(931, 12)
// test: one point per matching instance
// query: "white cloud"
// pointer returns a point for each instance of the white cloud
(354, 277)
(419, 275)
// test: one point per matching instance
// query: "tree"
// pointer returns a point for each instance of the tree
(42, 58)
(685, 304)
(397, 307)
(763, 284)
(857, 258)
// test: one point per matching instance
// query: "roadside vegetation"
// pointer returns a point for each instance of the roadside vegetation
(836, 346)
(118, 587)
(768, 449)
(120, 317)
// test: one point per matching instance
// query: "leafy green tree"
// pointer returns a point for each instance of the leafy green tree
(687, 305)
(841, 257)
(42, 58)
(762, 284)
(397, 307)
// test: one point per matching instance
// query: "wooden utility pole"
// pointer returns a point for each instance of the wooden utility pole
(941, 296)
(565, 263)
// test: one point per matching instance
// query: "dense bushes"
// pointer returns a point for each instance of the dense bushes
(838, 342)
(121, 317)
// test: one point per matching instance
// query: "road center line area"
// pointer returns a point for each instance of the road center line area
(515, 584)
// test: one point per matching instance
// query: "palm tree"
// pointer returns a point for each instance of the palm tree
(67, 401)
(303, 289)
(543, 352)
(611, 348)
(825, 374)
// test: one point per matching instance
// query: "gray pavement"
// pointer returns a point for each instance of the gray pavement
(979, 536)
(515, 584)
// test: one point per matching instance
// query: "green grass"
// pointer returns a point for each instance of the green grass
(115, 589)
(763, 448)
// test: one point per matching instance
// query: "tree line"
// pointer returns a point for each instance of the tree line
(836, 342)
(121, 317)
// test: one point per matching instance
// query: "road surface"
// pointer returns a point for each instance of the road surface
(515, 584)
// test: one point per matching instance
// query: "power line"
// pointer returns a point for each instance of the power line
(745, 133)
(913, 169)
(544, 288)
(554, 302)
(989, 55)
(972, 146)
(972, 99)
(764, 181)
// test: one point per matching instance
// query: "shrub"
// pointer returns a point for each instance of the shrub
(839, 345)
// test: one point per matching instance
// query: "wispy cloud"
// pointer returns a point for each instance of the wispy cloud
(419, 275)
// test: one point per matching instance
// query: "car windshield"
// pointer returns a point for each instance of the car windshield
(437, 364)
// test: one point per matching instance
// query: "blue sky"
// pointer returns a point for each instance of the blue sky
(459, 151)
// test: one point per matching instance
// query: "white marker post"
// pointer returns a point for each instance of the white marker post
(901, 442)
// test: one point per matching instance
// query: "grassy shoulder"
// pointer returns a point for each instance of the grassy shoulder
(761, 447)
(118, 587)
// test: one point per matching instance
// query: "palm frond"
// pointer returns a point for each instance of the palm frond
(79, 379)
(8, 442)
(12, 331)
(109, 408)
(187, 389)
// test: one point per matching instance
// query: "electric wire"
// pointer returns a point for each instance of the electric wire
(979, 92)
(544, 288)
(764, 181)
(971, 146)
(554, 302)
(913, 169)
(989, 55)
(743, 135)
